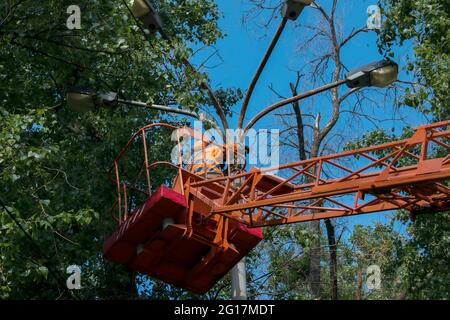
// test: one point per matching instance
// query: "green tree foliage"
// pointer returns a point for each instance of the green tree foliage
(416, 265)
(284, 263)
(426, 257)
(425, 25)
(53, 162)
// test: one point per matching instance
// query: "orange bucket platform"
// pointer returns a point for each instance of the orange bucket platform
(172, 254)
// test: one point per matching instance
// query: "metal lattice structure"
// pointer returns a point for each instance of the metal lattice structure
(408, 174)
(193, 231)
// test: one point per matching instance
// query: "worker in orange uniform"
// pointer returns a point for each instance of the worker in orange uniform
(207, 160)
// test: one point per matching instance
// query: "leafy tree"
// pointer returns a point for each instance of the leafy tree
(425, 25)
(426, 257)
(380, 246)
(53, 162)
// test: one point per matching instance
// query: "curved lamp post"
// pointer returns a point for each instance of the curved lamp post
(377, 74)
(290, 10)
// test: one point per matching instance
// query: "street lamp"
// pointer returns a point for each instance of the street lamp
(291, 9)
(377, 74)
(85, 100)
(143, 10)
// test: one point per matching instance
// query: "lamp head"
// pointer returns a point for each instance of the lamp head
(143, 10)
(377, 74)
(85, 100)
(291, 9)
(80, 100)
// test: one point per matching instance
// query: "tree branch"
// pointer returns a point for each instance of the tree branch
(353, 34)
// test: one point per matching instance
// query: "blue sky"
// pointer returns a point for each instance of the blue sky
(245, 43)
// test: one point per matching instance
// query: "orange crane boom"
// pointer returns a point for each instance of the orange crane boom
(194, 232)
(407, 174)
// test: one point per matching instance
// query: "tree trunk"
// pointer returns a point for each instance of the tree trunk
(314, 226)
(333, 258)
(132, 284)
(314, 260)
(319, 134)
(358, 293)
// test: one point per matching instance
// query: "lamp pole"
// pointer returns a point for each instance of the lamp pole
(370, 75)
(291, 100)
(239, 281)
(84, 100)
(290, 10)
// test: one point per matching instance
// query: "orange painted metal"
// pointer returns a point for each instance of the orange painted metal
(391, 176)
(212, 217)
(167, 236)
(192, 260)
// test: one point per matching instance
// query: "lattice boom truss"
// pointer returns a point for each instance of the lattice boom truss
(408, 174)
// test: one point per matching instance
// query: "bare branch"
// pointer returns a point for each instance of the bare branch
(353, 34)
(347, 94)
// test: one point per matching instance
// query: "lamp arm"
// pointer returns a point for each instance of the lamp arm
(290, 100)
(158, 107)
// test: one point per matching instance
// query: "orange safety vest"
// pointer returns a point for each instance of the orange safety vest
(207, 159)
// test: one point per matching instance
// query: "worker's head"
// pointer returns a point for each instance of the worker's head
(199, 145)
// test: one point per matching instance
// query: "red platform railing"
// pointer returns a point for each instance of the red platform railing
(141, 181)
